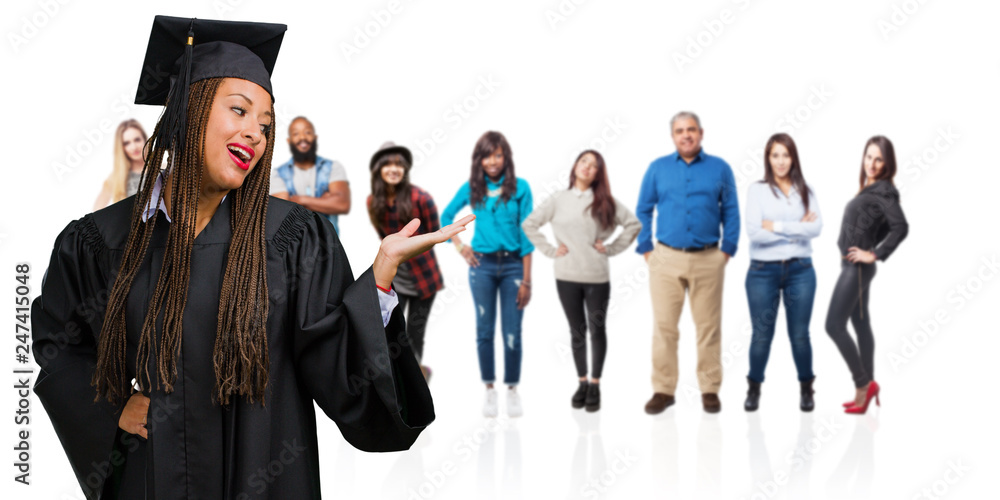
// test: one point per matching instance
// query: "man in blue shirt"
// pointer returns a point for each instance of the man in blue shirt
(693, 194)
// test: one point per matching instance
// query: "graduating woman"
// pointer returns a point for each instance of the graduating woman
(184, 334)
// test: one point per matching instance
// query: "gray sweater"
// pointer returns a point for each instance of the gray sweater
(574, 227)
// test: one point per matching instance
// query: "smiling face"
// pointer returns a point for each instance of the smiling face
(493, 164)
(236, 134)
(780, 161)
(585, 169)
(133, 140)
(687, 136)
(392, 173)
(301, 135)
(873, 162)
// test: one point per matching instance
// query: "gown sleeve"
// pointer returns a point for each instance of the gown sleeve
(65, 321)
(363, 374)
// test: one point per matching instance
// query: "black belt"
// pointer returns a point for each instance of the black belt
(783, 261)
(500, 254)
(691, 249)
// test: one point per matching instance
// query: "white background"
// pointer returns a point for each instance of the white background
(843, 68)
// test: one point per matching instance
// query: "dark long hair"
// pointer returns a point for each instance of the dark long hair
(485, 146)
(888, 161)
(602, 209)
(240, 355)
(794, 172)
(380, 191)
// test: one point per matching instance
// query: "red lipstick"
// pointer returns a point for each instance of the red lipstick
(241, 154)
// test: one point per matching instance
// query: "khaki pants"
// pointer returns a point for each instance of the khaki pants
(671, 273)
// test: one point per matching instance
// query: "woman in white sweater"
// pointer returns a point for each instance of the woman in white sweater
(582, 218)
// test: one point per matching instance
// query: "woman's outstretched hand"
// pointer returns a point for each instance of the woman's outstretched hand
(403, 246)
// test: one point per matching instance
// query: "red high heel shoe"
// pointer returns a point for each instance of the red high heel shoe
(873, 390)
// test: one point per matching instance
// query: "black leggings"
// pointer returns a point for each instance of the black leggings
(595, 296)
(416, 319)
(850, 301)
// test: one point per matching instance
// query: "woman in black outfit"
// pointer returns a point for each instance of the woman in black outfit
(872, 228)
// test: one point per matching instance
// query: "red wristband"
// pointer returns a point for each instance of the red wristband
(386, 290)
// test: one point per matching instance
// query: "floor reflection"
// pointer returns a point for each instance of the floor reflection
(408, 475)
(853, 476)
(709, 457)
(800, 464)
(509, 485)
(589, 458)
(789, 477)
(760, 459)
(666, 443)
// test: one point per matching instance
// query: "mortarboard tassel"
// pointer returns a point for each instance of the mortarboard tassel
(174, 120)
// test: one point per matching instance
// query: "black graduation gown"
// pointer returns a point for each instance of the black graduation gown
(327, 344)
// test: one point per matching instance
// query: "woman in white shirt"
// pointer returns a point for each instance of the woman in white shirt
(782, 216)
(583, 217)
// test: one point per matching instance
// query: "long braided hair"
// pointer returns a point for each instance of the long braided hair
(240, 354)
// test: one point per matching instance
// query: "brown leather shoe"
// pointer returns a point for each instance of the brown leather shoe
(710, 401)
(658, 403)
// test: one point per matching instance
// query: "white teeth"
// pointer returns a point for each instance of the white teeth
(239, 152)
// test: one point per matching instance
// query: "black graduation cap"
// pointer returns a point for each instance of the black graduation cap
(182, 51)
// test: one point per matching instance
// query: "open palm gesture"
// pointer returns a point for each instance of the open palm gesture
(403, 246)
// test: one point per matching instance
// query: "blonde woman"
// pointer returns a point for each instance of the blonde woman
(130, 140)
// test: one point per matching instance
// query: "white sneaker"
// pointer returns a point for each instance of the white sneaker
(514, 409)
(490, 404)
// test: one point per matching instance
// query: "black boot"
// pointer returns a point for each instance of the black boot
(580, 396)
(807, 403)
(593, 397)
(753, 396)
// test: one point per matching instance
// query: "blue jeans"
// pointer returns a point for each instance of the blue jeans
(497, 276)
(767, 282)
